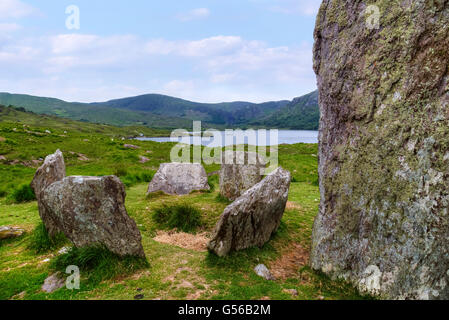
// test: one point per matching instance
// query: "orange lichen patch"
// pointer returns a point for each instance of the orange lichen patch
(293, 206)
(196, 242)
(287, 266)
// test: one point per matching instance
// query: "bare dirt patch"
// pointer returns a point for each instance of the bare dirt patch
(196, 242)
(293, 258)
(293, 206)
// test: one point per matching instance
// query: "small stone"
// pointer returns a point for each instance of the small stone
(262, 271)
(293, 292)
(130, 146)
(64, 250)
(143, 159)
(53, 283)
(10, 232)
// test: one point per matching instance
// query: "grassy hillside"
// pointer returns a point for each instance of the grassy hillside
(92, 113)
(175, 270)
(301, 114)
(159, 111)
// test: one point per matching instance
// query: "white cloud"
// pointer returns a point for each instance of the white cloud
(296, 7)
(87, 67)
(195, 14)
(9, 27)
(14, 9)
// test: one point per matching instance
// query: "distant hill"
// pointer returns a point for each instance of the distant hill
(160, 111)
(302, 113)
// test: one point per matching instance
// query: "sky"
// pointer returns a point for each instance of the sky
(200, 50)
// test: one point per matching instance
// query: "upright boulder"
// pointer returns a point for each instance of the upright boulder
(239, 172)
(51, 171)
(383, 221)
(251, 219)
(91, 211)
(179, 178)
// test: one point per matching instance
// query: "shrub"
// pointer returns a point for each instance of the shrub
(3, 193)
(23, 194)
(183, 217)
(41, 242)
(97, 263)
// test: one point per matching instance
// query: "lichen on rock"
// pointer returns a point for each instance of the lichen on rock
(383, 221)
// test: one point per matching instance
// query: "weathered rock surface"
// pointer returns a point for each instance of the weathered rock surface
(90, 211)
(179, 178)
(251, 219)
(51, 171)
(53, 283)
(383, 221)
(7, 232)
(262, 271)
(239, 172)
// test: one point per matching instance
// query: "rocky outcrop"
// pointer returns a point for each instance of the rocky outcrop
(10, 232)
(383, 156)
(51, 171)
(251, 219)
(91, 211)
(239, 172)
(179, 178)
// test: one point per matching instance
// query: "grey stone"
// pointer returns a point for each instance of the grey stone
(262, 271)
(239, 172)
(53, 283)
(383, 221)
(52, 170)
(7, 232)
(179, 178)
(251, 219)
(91, 211)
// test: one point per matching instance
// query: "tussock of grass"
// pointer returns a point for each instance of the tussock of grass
(212, 181)
(96, 263)
(183, 217)
(22, 194)
(41, 242)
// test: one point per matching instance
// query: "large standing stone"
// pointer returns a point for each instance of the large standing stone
(51, 171)
(91, 211)
(383, 221)
(239, 172)
(251, 219)
(179, 178)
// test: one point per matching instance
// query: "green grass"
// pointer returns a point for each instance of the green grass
(183, 217)
(97, 263)
(173, 272)
(22, 194)
(41, 242)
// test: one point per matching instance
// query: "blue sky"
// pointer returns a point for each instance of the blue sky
(202, 50)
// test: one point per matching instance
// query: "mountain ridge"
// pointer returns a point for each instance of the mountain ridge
(157, 110)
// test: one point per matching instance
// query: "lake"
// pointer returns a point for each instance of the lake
(223, 138)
